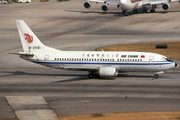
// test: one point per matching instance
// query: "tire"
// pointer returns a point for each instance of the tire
(91, 76)
(156, 76)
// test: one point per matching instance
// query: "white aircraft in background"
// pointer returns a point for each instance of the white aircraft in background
(103, 64)
(135, 5)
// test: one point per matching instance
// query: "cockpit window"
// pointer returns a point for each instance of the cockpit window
(168, 60)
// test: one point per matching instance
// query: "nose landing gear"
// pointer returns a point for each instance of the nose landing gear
(156, 76)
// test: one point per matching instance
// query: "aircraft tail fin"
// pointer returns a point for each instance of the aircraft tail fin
(29, 40)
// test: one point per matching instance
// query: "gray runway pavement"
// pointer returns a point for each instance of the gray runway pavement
(68, 26)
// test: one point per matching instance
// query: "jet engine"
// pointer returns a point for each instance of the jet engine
(105, 7)
(108, 72)
(165, 6)
(87, 4)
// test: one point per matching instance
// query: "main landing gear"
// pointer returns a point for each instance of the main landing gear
(125, 12)
(153, 7)
(143, 10)
(152, 11)
(135, 11)
(93, 74)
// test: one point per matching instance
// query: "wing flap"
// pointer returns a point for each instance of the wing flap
(23, 53)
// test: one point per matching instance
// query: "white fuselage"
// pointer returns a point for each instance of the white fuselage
(128, 5)
(122, 61)
(104, 64)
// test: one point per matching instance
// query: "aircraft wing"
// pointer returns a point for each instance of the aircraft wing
(81, 68)
(105, 1)
(144, 3)
(175, 0)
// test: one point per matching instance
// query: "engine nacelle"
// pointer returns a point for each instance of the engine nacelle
(165, 6)
(87, 4)
(108, 72)
(105, 8)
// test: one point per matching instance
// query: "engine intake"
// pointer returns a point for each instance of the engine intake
(165, 6)
(108, 72)
(87, 4)
(105, 8)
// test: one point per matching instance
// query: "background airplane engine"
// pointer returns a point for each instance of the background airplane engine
(87, 4)
(165, 6)
(105, 8)
(108, 72)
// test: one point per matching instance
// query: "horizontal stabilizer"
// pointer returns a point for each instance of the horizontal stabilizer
(23, 53)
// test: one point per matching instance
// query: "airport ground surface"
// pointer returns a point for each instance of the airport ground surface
(68, 26)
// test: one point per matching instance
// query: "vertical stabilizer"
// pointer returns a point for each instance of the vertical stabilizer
(29, 40)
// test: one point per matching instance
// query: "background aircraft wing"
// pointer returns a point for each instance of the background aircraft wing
(81, 68)
(175, 0)
(105, 1)
(153, 2)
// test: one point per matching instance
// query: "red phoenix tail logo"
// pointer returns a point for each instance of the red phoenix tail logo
(29, 38)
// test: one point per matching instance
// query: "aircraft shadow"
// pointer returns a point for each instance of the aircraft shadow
(19, 73)
(114, 13)
(84, 77)
(118, 14)
(72, 77)
(135, 76)
(79, 77)
(72, 80)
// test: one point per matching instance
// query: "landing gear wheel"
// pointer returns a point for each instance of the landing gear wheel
(125, 12)
(144, 11)
(152, 11)
(91, 75)
(156, 76)
(135, 11)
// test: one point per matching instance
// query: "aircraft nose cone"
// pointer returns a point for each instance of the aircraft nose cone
(175, 64)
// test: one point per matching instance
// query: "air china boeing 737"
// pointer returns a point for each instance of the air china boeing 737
(135, 5)
(103, 64)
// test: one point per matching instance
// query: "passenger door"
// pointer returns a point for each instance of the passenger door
(151, 60)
